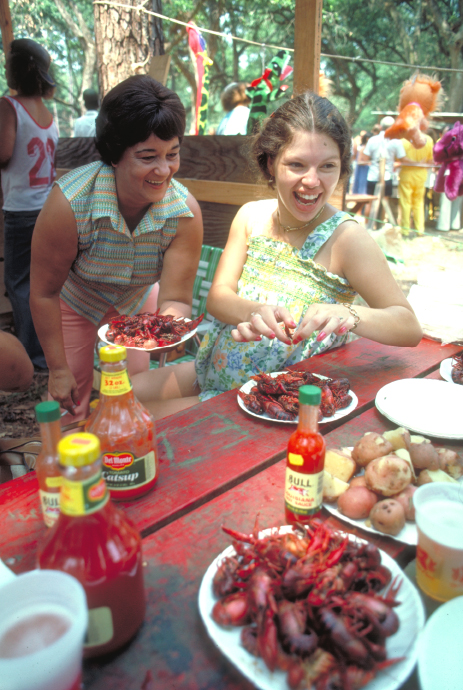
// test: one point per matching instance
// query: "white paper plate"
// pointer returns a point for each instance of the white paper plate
(440, 661)
(402, 644)
(428, 406)
(102, 336)
(249, 385)
(445, 370)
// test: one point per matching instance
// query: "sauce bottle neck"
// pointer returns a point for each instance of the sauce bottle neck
(50, 433)
(308, 418)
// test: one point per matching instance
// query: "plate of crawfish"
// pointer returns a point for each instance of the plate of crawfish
(147, 331)
(311, 607)
(451, 369)
(275, 396)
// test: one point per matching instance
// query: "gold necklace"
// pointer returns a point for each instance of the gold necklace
(288, 228)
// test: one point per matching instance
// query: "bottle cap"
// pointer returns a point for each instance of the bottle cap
(78, 450)
(309, 395)
(113, 353)
(47, 411)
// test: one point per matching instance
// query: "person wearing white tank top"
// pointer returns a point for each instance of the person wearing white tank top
(28, 140)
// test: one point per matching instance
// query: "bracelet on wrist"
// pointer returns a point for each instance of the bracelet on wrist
(353, 313)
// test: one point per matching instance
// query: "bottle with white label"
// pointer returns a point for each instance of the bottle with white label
(126, 430)
(305, 461)
(46, 466)
(96, 543)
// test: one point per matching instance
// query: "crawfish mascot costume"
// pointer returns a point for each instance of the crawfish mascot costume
(418, 98)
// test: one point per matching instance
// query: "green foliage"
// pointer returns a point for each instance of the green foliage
(421, 33)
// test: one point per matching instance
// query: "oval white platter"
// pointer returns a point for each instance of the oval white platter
(102, 336)
(402, 644)
(427, 406)
(249, 385)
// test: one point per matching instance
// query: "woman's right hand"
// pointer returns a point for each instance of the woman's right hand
(265, 320)
(62, 387)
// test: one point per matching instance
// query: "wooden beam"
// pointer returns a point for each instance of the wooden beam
(307, 45)
(233, 193)
(159, 68)
(6, 26)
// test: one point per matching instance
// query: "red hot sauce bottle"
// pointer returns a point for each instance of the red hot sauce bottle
(305, 461)
(96, 543)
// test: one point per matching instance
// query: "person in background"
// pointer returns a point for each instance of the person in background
(292, 266)
(85, 126)
(361, 169)
(377, 148)
(109, 232)
(412, 180)
(16, 370)
(235, 102)
(28, 140)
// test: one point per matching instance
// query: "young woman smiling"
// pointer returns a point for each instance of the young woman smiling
(295, 263)
(109, 231)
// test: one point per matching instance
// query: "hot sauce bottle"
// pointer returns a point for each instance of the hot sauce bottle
(125, 428)
(48, 475)
(305, 461)
(96, 543)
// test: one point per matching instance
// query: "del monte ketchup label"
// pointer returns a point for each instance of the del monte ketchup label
(125, 471)
(117, 461)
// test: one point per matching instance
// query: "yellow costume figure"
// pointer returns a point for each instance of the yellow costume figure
(411, 185)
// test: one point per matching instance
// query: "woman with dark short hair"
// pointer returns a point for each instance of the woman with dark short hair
(28, 139)
(292, 265)
(109, 231)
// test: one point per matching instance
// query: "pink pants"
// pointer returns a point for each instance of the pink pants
(80, 336)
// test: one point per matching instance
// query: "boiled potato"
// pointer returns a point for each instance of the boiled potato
(397, 437)
(405, 455)
(332, 487)
(340, 465)
(405, 498)
(388, 476)
(388, 517)
(357, 502)
(450, 462)
(370, 447)
(423, 454)
(427, 476)
(358, 481)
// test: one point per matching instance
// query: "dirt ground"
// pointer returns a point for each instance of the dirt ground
(435, 250)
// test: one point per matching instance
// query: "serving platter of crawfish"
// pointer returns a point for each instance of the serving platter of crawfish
(275, 396)
(311, 608)
(147, 331)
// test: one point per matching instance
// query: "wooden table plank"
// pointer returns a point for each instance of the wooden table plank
(208, 449)
(173, 643)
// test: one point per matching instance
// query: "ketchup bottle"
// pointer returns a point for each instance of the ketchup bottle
(126, 430)
(48, 475)
(96, 543)
(305, 461)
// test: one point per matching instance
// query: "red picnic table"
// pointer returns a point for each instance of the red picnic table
(218, 465)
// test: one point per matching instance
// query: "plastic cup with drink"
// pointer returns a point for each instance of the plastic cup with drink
(439, 554)
(42, 627)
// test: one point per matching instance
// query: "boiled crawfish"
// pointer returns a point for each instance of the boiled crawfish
(149, 330)
(307, 604)
(457, 369)
(278, 396)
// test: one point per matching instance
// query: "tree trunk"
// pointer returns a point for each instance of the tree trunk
(157, 45)
(455, 94)
(123, 37)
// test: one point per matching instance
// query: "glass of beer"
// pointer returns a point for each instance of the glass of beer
(439, 553)
(42, 626)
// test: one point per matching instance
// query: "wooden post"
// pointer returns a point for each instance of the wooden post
(307, 45)
(6, 25)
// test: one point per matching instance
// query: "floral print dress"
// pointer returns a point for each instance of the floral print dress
(274, 273)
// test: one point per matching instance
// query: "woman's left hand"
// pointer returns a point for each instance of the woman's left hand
(326, 319)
